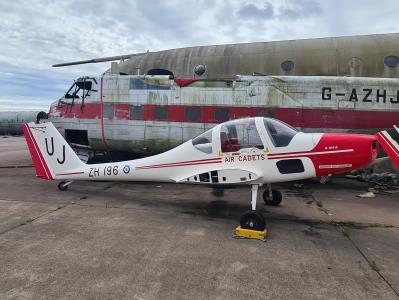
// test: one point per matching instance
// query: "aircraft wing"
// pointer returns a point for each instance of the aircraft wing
(221, 176)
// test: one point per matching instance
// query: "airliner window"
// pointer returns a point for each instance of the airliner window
(280, 133)
(136, 112)
(203, 142)
(161, 113)
(108, 111)
(222, 114)
(239, 134)
(193, 114)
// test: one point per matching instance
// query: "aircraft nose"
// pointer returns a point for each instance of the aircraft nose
(346, 152)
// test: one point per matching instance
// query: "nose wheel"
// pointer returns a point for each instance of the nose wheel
(253, 220)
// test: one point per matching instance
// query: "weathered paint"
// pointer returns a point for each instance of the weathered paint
(308, 103)
(332, 56)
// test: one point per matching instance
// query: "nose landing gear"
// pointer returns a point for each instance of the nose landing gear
(253, 220)
(252, 223)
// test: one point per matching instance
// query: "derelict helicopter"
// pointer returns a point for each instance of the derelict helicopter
(249, 151)
(151, 102)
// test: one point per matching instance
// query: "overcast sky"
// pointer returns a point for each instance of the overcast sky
(38, 33)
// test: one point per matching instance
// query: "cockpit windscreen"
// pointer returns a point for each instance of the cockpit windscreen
(280, 133)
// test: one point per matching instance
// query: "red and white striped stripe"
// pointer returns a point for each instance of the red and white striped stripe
(183, 163)
(306, 153)
(390, 146)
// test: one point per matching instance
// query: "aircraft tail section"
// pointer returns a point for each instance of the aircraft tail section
(51, 154)
(390, 146)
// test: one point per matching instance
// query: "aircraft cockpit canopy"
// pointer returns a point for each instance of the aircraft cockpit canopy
(239, 134)
(244, 134)
(280, 133)
(203, 142)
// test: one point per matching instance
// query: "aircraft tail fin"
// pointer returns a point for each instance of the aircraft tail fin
(50, 153)
(390, 146)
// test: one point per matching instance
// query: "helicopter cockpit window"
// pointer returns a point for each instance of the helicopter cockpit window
(280, 133)
(84, 85)
(80, 89)
(203, 142)
(239, 134)
(74, 92)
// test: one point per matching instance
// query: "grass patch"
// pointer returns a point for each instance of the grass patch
(110, 185)
(374, 266)
(26, 222)
(345, 230)
(319, 203)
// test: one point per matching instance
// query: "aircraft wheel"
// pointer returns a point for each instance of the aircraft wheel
(62, 186)
(276, 197)
(253, 220)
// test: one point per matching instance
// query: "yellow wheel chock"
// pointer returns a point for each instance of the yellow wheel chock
(240, 232)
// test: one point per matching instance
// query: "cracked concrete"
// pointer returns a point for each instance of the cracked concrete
(150, 241)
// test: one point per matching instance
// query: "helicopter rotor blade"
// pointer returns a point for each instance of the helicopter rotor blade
(99, 60)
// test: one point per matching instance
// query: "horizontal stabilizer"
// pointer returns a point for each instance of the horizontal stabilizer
(390, 146)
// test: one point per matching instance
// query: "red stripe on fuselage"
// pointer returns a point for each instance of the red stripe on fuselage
(184, 163)
(74, 173)
(298, 117)
(306, 154)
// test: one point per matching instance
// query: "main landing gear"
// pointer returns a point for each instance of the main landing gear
(272, 197)
(253, 223)
(63, 185)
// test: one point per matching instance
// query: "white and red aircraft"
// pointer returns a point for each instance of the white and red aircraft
(250, 151)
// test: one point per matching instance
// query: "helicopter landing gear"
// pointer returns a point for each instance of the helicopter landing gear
(252, 222)
(272, 197)
(63, 185)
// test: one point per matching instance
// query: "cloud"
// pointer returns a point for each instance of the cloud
(251, 11)
(299, 9)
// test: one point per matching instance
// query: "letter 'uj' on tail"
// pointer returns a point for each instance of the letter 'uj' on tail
(390, 146)
(51, 154)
